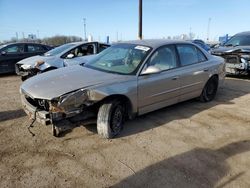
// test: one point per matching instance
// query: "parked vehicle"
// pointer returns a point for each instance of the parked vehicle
(10, 54)
(128, 79)
(236, 52)
(65, 55)
(202, 44)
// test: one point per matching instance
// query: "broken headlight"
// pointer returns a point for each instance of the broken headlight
(71, 101)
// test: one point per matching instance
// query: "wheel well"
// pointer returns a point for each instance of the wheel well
(124, 99)
(216, 76)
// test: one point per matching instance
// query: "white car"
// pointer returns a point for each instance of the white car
(66, 55)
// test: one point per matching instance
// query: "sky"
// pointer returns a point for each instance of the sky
(119, 18)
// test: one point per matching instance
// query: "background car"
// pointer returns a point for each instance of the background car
(128, 79)
(10, 54)
(236, 52)
(202, 44)
(65, 55)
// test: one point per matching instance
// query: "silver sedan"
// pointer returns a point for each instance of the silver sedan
(128, 79)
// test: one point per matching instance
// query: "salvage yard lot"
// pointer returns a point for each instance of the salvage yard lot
(191, 144)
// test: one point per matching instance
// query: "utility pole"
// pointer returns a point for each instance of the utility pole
(84, 23)
(140, 20)
(208, 29)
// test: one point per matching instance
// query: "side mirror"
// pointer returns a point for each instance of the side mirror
(3, 53)
(151, 70)
(70, 56)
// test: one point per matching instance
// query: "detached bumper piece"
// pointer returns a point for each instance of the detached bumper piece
(41, 116)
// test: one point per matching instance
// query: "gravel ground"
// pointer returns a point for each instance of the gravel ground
(191, 144)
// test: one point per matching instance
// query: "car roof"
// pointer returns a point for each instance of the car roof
(155, 43)
(86, 42)
(243, 33)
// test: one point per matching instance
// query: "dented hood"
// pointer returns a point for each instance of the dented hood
(55, 83)
(227, 50)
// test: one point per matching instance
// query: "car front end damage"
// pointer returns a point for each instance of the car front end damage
(27, 70)
(237, 61)
(54, 111)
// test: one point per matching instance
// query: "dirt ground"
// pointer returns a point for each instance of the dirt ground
(191, 144)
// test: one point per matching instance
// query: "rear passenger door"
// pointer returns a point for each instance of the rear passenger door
(34, 49)
(194, 71)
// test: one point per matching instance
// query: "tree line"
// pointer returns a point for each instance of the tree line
(52, 41)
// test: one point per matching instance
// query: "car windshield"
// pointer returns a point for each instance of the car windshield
(238, 40)
(59, 50)
(120, 59)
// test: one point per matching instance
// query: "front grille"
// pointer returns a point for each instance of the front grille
(232, 59)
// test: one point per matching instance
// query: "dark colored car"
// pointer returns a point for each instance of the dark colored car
(236, 52)
(202, 44)
(10, 54)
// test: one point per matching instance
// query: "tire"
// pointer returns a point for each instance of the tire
(210, 89)
(23, 78)
(110, 119)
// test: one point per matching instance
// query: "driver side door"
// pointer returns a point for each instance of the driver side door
(163, 88)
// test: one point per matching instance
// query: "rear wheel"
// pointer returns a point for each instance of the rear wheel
(210, 89)
(110, 118)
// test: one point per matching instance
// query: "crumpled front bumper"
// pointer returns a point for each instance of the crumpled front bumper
(41, 116)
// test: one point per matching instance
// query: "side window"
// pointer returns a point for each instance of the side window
(79, 51)
(102, 47)
(35, 48)
(14, 49)
(190, 54)
(201, 56)
(164, 58)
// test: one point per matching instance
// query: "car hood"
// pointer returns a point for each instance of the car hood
(55, 83)
(227, 50)
(32, 60)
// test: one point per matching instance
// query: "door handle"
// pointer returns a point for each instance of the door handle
(175, 78)
(205, 70)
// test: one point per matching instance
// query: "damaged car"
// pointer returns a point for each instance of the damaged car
(66, 55)
(128, 79)
(236, 52)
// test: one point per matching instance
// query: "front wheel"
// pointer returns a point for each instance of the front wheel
(110, 119)
(210, 89)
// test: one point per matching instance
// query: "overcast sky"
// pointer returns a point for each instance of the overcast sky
(161, 18)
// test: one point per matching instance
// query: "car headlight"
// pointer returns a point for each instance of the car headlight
(25, 66)
(72, 100)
